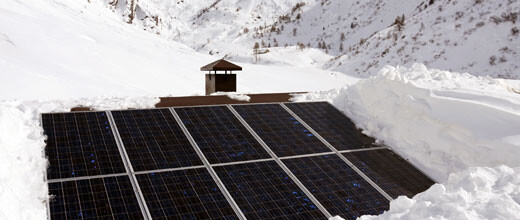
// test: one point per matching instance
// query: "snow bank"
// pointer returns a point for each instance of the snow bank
(234, 95)
(444, 122)
(476, 193)
(23, 191)
(447, 124)
(22, 188)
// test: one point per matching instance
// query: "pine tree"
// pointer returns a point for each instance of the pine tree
(399, 22)
(255, 50)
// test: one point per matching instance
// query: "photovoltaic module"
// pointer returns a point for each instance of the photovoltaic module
(253, 161)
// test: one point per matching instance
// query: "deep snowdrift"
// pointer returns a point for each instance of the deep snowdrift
(445, 123)
(476, 193)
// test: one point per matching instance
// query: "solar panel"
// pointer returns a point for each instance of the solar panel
(100, 198)
(263, 190)
(220, 135)
(389, 171)
(83, 145)
(153, 140)
(279, 130)
(80, 144)
(331, 124)
(184, 194)
(337, 186)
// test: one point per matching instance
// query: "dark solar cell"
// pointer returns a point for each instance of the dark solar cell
(80, 144)
(389, 171)
(337, 186)
(184, 194)
(279, 130)
(220, 135)
(263, 190)
(153, 140)
(100, 198)
(332, 125)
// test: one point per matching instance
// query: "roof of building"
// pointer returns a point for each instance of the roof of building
(221, 65)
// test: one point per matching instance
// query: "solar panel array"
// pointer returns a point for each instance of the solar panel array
(257, 161)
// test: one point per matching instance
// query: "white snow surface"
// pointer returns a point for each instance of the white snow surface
(476, 193)
(234, 95)
(61, 49)
(481, 36)
(446, 124)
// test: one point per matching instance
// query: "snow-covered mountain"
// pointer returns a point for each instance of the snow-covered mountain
(479, 37)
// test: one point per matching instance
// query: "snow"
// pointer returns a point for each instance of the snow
(458, 36)
(447, 124)
(476, 193)
(234, 95)
(83, 50)
(461, 129)
(463, 36)
(441, 120)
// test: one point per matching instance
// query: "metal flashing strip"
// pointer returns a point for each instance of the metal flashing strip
(210, 169)
(128, 166)
(372, 183)
(281, 164)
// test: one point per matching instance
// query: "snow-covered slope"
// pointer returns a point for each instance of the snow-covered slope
(63, 49)
(479, 37)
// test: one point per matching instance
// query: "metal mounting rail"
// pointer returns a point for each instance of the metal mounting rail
(128, 167)
(372, 183)
(281, 164)
(86, 177)
(210, 169)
